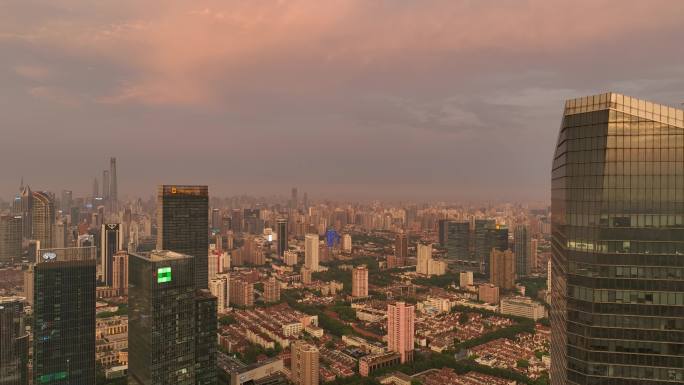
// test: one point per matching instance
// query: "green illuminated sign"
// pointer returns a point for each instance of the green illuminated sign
(46, 378)
(163, 274)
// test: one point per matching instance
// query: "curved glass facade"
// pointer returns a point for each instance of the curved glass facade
(617, 308)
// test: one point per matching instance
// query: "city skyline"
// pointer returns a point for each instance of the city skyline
(414, 104)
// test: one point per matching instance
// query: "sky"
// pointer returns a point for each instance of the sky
(359, 99)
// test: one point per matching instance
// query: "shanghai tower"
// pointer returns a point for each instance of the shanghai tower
(617, 307)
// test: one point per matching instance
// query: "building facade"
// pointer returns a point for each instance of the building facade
(14, 341)
(311, 243)
(401, 329)
(502, 272)
(617, 243)
(64, 316)
(360, 281)
(111, 241)
(304, 363)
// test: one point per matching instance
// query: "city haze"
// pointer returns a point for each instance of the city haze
(347, 99)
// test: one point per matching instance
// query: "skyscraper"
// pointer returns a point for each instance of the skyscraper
(442, 232)
(424, 255)
(105, 184)
(183, 225)
(401, 246)
(113, 187)
(42, 218)
(458, 244)
(111, 241)
(10, 238)
(304, 363)
(522, 249)
(64, 316)
(400, 329)
(617, 250)
(14, 342)
(161, 301)
(120, 272)
(502, 269)
(360, 281)
(294, 200)
(311, 242)
(24, 206)
(281, 227)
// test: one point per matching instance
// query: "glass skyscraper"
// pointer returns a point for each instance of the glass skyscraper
(64, 317)
(183, 225)
(617, 309)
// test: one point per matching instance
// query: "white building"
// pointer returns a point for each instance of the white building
(523, 307)
(465, 279)
(311, 243)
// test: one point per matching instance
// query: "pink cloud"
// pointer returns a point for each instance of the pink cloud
(185, 52)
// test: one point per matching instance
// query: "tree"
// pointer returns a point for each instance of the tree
(523, 364)
(463, 318)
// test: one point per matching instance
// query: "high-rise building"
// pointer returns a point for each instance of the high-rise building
(241, 292)
(347, 243)
(206, 327)
(401, 329)
(161, 301)
(43, 218)
(111, 241)
(10, 238)
(120, 272)
(105, 184)
(66, 201)
(219, 287)
(458, 244)
(294, 202)
(290, 258)
(281, 227)
(96, 188)
(495, 237)
(443, 234)
(14, 341)
(617, 198)
(534, 257)
(304, 363)
(311, 243)
(522, 250)
(401, 246)
(183, 225)
(306, 275)
(502, 269)
(113, 185)
(360, 281)
(64, 316)
(215, 220)
(24, 206)
(272, 290)
(424, 255)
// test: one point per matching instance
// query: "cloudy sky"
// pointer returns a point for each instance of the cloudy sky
(420, 99)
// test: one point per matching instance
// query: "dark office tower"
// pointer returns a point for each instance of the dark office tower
(205, 337)
(617, 297)
(105, 184)
(458, 243)
(294, 203)
(253, 222)
(496, 238)
(13, 342)
(10, 238)
(523, 253)
(64, 317)
(216, 220)
(183, 225)
(161, 331)
(43, 218)
(24, 207)
(111, 241)
(305, 201)
(442, 230)
(66, 201)
(281, 225)
(401, 246)
(113, 188)
(236, 220)
(480, 247)
(96, 188)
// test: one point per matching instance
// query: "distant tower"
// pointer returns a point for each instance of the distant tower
(281, 228)
(522, 250)
(294, 203)
(10, 238)
(400, 329)
(401, 246)
(424, 255)
(113, 188)
(96, 188)
(105, 184)
(311, 252)
(43, 218)
(111, 241)
(360, 281)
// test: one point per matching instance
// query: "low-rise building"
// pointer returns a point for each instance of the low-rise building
(523, 307)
